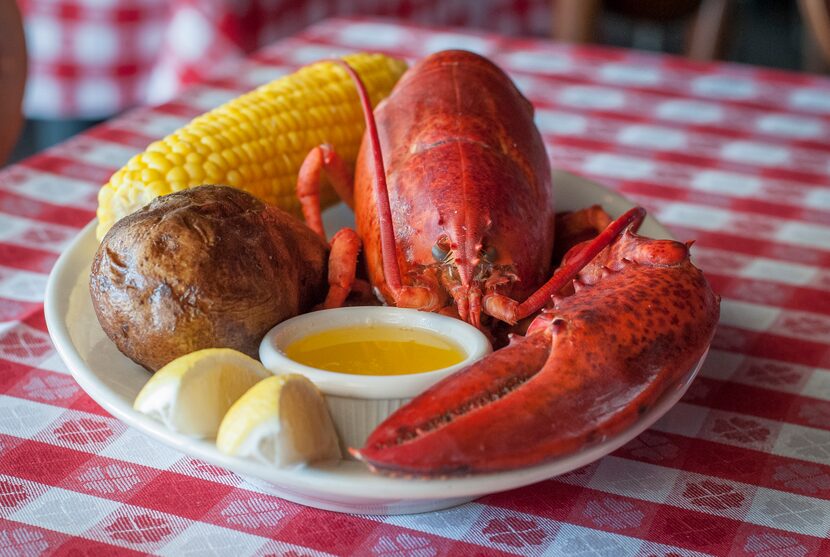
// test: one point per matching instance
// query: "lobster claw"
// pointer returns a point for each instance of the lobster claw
(588, 369)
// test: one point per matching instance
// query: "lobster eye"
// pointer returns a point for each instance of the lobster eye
(440, 250)
(490, 254)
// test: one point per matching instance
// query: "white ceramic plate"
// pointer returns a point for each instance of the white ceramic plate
(113, 381)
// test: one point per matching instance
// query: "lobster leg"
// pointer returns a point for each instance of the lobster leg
(322, 158)
(345, 244)
(345, 247)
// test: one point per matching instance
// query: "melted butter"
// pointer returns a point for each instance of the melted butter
(376, 350)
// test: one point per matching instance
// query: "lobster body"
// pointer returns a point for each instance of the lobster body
(467, 171)
(641, 317)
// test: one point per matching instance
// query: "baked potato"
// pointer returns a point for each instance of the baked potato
(206, 267)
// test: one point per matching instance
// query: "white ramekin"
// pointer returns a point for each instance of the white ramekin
(358, 403)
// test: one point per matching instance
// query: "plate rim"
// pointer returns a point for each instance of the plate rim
(381, 489)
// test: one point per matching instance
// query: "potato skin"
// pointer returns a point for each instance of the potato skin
(206, 267)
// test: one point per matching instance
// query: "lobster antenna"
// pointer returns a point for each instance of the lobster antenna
(387, 234)
(536, 301)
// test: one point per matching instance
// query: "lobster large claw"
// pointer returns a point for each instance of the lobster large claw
(640, 318)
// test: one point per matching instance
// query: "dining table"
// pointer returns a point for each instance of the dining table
(733, 159)
(90, 59)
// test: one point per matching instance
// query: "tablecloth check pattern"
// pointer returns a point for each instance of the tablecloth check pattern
(93, 58)
(734, 157)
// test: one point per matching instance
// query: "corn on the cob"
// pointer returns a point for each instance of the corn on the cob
(255, 142)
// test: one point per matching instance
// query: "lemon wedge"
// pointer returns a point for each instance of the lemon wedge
(282, 421)
(192, 393)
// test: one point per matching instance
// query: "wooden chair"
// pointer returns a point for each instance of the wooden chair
(816, 15)
(12, 75)
(576, 20)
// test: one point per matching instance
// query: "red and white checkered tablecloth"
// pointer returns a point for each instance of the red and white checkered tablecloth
(734, 157)
(90, 59)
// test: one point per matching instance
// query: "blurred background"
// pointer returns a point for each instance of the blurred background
(85, 61)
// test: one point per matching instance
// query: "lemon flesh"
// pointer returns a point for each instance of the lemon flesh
(192, 394)
(282, 421)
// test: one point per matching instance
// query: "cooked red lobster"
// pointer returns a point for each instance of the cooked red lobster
(463, 223)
